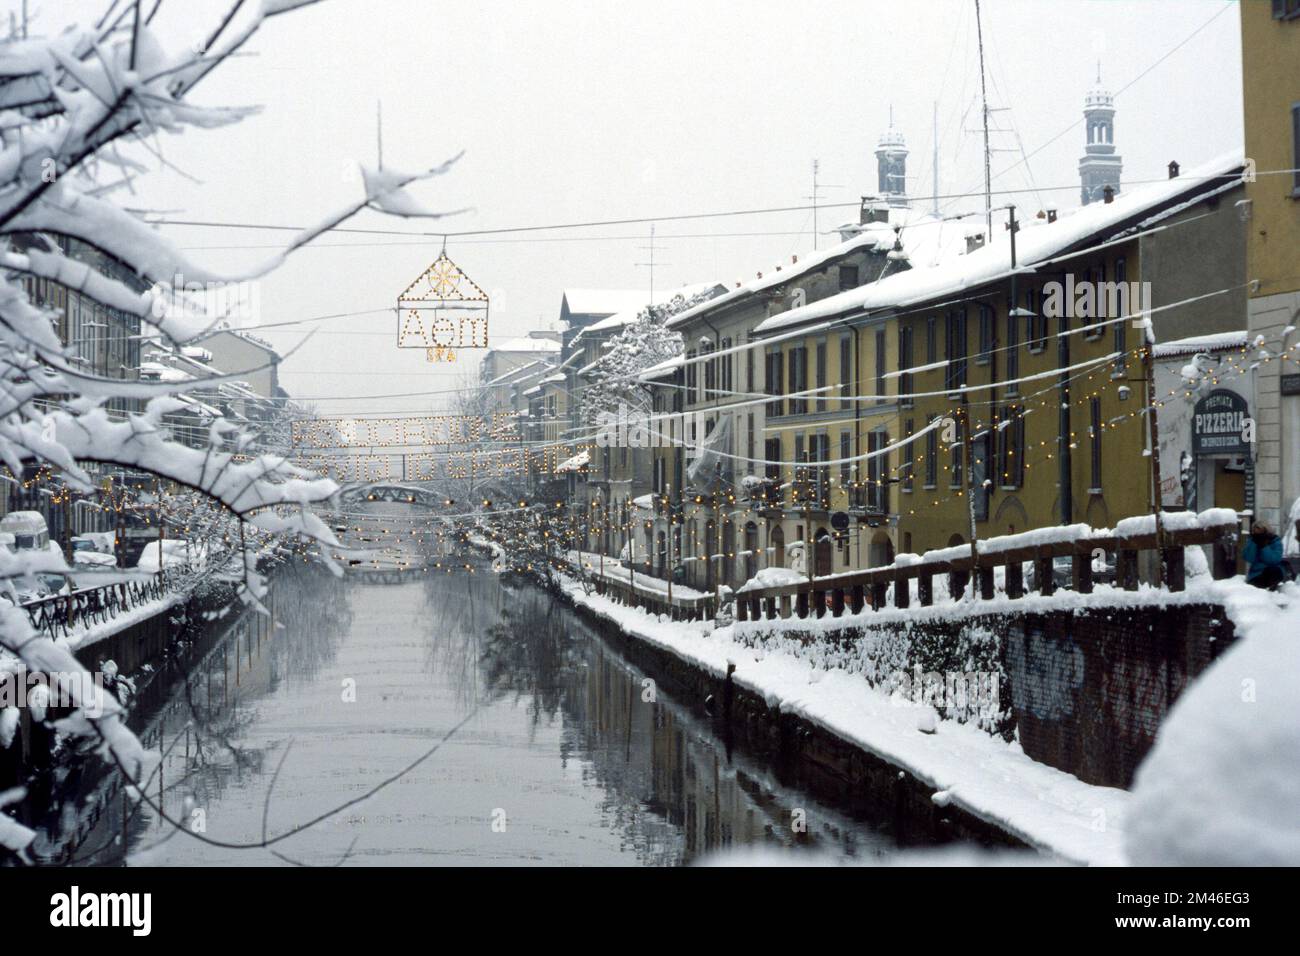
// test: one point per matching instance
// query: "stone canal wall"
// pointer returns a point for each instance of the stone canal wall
(1082, 684)
(811, 756)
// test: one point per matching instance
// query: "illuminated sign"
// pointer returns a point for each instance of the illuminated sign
(441, 311)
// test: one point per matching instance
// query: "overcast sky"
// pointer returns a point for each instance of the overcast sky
(571, 112)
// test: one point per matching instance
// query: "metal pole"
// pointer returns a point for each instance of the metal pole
(1154, 438)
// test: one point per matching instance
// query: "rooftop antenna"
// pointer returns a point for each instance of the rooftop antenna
(818, 186)
(984, 100)
(935, 140)
(652, 248)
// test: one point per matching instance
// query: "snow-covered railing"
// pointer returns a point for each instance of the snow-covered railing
(640, 589)
(62, 614)
(855, 590)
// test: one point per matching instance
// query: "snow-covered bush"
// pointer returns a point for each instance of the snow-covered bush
(642, 344)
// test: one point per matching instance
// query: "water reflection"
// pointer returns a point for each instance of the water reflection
(557, 738)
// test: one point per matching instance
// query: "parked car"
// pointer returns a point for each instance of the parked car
(45, 584)
(29, 531)
(176, 553)
(86, 552)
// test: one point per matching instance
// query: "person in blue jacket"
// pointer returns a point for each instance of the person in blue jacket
(1263, 557)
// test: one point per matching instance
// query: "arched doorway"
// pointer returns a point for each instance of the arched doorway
(825, 552)
(751, 549)
(776, 540)
(882, 550)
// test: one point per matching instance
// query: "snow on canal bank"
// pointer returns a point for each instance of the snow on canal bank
(994, 780)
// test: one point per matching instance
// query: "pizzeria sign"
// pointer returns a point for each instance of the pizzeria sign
(1221, 424)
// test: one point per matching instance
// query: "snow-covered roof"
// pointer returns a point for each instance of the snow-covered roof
(925, 239)
(603, 301)
(991, 261)
(1215, 342)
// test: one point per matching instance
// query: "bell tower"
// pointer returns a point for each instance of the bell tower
(891, 165)
(1100, 165)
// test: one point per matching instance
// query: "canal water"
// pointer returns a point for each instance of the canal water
(499, 727)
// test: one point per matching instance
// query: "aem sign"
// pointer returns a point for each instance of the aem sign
(1221, 424)
(441, 311)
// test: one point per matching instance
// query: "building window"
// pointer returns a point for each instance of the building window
(955, 349)
(986, 335)
(797, 378)
(749, 368)
(882, 471)
(750, 428)
(710, 373)
(692, 375)
(846, 369)
(931, 340)
(1036, 321)
(1013, 349)
(848, 278)
(727, 360)
(1100, 312)
(772, 454)
(821, 375)
(773, 373)
(1011, 447)
(882, 383)
(955, 454)
(1295, 129)
(1094, 438)
(931, 455)
(799, 486)
(846, 466)
(820, 453)
(1286, 10)
(905, 358)
(1121, 327)
(909, 457)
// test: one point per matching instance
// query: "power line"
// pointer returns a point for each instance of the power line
(644, 220)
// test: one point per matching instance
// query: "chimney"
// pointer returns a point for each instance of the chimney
(1108, 193)
(873, 210)
(1051, 214)
(974, 241)
(1173, 169)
